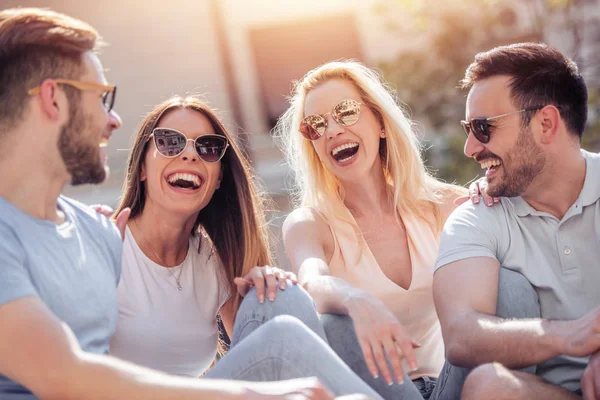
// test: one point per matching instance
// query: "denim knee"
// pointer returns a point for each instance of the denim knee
(294, 297)
(516, 297)
(294, 301)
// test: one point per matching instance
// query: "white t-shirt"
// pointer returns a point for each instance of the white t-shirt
(160, 326)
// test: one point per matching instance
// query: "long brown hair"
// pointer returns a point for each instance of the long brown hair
(234, 218)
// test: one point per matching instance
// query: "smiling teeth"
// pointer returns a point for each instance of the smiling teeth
(185, 177)
(103, 142)
(343, 147)
(490, 163)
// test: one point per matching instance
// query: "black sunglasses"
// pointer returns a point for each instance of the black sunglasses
(481, 128)
(171, 143)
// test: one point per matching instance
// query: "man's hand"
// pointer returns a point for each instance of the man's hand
(583, 335)
(120, 221)
(590, 382)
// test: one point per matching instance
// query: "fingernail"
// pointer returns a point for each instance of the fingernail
(489, 203)
(496, 200)
(272, 297)
(261, 298)
(282, 286)
(390, 383)
(476, 200)
(375, 376)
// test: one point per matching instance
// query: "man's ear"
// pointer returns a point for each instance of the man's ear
(549, 121)
(53, 101)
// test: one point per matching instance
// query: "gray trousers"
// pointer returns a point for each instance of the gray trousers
(516, 299)
(282, 340)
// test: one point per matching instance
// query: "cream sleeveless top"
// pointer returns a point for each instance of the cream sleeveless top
(414, 308)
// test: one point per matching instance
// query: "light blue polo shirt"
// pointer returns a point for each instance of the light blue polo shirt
(561, 258)
(73, 268)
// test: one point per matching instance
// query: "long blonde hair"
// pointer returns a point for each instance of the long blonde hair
(412, 187)
(234, 218)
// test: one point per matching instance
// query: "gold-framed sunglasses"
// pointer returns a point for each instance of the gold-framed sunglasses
(345, 113)
(109, 92)
(170, 143)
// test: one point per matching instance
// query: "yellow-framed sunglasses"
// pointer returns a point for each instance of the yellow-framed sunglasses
(109, 92)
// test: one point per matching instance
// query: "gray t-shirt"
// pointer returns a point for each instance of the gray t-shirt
(561, 258)
(73, 268)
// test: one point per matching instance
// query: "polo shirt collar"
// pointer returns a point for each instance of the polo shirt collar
(590, 193)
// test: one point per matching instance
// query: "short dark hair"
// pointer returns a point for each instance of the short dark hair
(38, 44)
(540, 75)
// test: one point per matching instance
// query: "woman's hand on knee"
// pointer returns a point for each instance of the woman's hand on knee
(380, 334)
(266, 280)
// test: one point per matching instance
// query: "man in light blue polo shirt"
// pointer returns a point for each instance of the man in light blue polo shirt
(526, 112)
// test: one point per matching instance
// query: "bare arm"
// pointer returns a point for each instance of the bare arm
(465, 295)
(41, 353)
(305, 236)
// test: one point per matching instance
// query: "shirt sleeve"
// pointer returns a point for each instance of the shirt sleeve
(472, 230)
(15, 280)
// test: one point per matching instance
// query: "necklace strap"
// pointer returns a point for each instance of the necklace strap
(178, 277)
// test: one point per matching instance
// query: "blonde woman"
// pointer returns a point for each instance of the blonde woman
(365, 236)
(196, 243)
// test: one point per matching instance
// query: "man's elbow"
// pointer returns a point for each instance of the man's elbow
(63, 384)
(457, 354)
(459, 350)
(55, 390)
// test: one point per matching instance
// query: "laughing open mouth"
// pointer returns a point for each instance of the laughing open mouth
(184, 181)
(344, 152)
(491, 164)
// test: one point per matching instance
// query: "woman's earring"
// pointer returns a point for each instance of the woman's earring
(382, 134)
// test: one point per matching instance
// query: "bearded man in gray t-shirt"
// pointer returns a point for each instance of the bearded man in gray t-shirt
(526, 112)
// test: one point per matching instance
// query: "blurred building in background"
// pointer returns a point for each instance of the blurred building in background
(242, 56)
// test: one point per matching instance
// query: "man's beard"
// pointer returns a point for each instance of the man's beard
(80, 155)
(521, 165)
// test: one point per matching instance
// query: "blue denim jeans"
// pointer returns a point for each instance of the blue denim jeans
(425, 385)
(282, 340)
